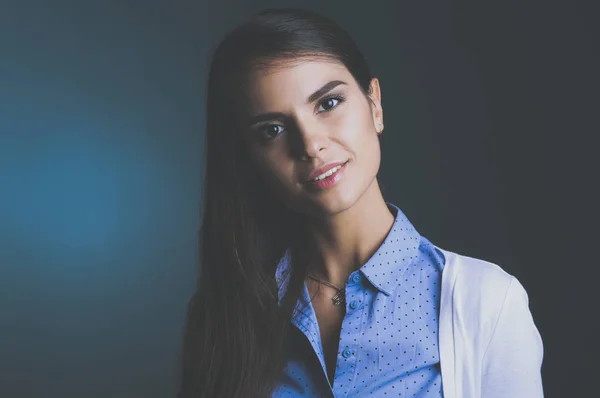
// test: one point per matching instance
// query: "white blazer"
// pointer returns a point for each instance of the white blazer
(489, 344)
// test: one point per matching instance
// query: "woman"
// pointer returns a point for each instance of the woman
(312, 285)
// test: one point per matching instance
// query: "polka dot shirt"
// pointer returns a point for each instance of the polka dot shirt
(388, 343)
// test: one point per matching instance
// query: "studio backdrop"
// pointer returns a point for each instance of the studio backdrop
(490, 113)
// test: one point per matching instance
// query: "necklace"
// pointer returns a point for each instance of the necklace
(339, 297)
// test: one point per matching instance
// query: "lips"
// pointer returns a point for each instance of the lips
(328, 166)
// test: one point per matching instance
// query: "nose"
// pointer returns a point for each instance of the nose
(310, 139)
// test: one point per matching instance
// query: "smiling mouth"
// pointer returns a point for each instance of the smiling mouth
(327, 179)
(326, 174)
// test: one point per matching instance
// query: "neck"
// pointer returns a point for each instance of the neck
(345, 241)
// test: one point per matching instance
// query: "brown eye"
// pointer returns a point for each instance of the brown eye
(269, 131)
(331, 103)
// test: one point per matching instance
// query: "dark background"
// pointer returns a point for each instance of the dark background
(490, 113)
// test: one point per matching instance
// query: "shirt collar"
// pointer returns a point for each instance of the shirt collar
(386, 266)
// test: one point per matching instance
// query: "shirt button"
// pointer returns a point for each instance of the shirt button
(356, 277)
(353, 304)
(347, 353)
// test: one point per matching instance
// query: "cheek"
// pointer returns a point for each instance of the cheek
(275, 171)
(360, 135)
(357, 119)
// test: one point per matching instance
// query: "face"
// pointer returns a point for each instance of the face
(304, 118)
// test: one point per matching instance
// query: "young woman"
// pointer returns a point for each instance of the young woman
(312, 285)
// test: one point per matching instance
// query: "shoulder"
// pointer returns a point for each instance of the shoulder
(483, 276)
(479, 289)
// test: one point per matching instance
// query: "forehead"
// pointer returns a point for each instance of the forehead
(290, 84)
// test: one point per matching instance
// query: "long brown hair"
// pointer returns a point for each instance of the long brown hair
(237, 335)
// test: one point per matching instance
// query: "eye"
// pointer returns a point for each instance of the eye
(331, 102)
(269, 131)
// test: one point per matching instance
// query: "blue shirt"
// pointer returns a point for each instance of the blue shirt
(389, 338)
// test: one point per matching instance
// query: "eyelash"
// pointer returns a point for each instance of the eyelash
(337, 97)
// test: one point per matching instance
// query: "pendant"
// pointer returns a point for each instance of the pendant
(338, 298)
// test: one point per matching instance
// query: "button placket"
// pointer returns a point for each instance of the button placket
(349, 344)
(354, 285)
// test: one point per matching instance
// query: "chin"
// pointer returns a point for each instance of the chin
(327, 205)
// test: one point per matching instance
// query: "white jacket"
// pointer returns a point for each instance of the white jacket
(489, 344)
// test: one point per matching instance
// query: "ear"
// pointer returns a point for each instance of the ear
(377, 110)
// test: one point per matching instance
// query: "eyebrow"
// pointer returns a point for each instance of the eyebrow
(327, 87)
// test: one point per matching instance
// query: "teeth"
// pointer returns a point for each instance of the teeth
(328, 173)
